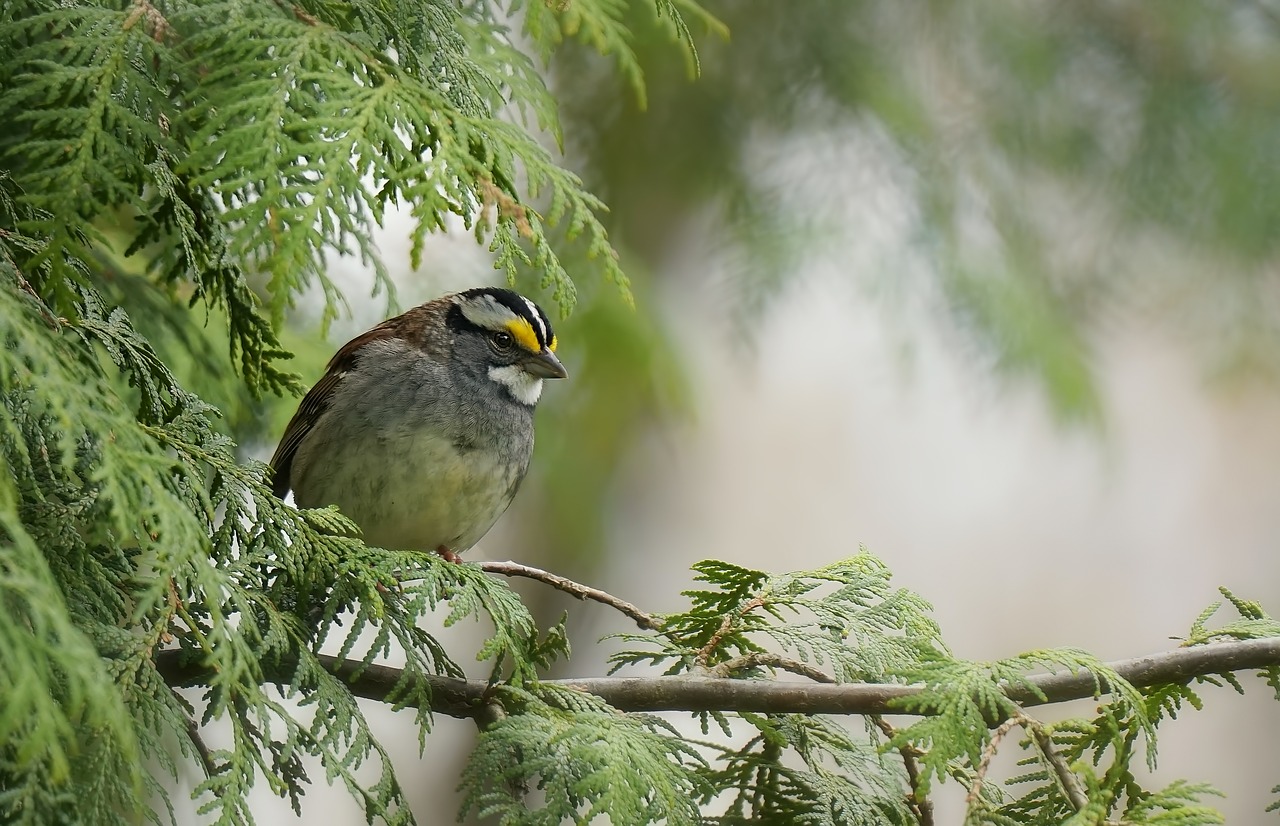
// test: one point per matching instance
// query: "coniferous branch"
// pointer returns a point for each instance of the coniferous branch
(956, 698)
(461, 698)
(226, 148)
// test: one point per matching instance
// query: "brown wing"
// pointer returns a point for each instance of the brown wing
(316, 402)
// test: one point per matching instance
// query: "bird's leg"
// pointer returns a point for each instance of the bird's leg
(448, 555)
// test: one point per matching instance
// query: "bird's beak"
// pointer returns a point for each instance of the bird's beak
(545, 365)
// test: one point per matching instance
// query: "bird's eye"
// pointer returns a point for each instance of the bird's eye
(502, 339)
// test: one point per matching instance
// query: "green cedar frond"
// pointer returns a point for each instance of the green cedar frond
(1175, 805)
(600, 24)
(965, 697)
(585, 759)
(1108, 740)
(1254, 622)
(84, 115)
(190, 246)
(844, 616)
(56, 414)
(841, 781)
(603, 25)
(232, 137)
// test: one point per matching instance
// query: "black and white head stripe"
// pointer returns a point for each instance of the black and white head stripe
(494, 309)
(538, 322)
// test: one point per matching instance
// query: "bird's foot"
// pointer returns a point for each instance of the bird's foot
(448, 555)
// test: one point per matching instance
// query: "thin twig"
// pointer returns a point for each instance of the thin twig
(1070, 782)
(41, 307)
(920, 805)
(202, 749)
(750, 605)
(763, 658)
(642, 618)
(461, 698)
(988, 754)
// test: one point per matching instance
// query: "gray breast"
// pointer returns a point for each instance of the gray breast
(416, 460)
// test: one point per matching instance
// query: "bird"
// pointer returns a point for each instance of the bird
(421, 429)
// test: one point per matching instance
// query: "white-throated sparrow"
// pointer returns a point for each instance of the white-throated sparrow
(421, 429)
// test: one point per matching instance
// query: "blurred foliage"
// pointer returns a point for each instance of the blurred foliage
(1067, 165)
(627, 378)
(1063, 169)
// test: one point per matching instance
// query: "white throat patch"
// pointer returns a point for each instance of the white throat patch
(526, 388)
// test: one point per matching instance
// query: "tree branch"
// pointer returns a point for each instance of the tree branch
(465, 698)
(643, 619)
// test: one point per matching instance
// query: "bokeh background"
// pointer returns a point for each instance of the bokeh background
(990, 288)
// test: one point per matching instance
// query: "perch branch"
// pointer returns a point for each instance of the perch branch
(643, 619)
(463, 698)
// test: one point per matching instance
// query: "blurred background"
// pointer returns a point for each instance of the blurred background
(990, 288)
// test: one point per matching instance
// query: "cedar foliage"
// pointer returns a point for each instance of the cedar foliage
(229, 146)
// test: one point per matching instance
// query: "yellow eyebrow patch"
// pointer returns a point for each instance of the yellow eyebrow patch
(522, 331)
(552, 344)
